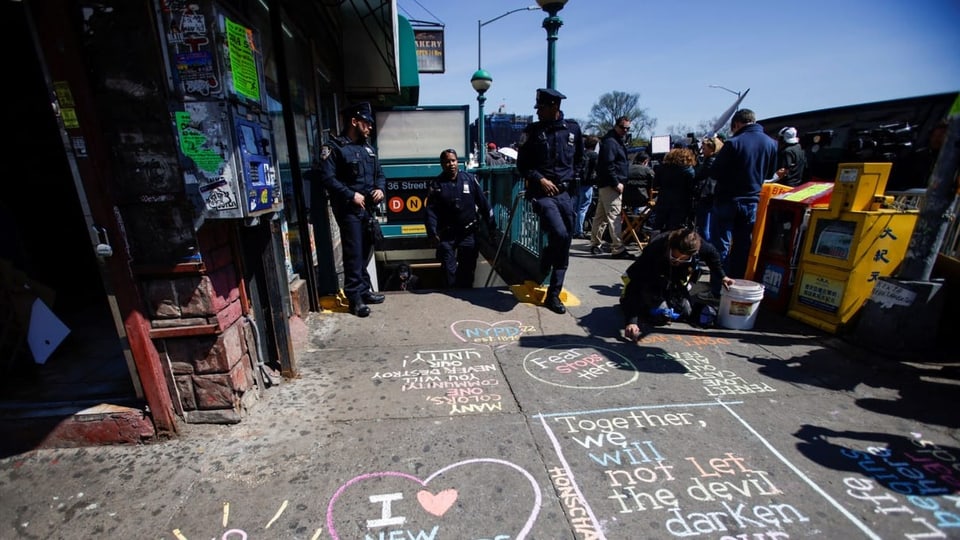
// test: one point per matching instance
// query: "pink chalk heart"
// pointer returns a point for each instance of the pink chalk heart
(471, 328)
(437, 504)
(440, 503)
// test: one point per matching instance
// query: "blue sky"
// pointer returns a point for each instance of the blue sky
(793, 56)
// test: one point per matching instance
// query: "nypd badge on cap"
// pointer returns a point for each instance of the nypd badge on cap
(548, 96)
(360, 110)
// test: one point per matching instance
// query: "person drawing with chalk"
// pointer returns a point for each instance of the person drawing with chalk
(659, 281)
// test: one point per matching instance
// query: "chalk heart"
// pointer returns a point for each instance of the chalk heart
(440, 503)
(460, 328)
(437, 504)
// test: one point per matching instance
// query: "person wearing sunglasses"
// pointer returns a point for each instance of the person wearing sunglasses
(659, 281)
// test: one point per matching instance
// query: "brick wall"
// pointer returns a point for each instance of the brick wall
(198, 325)
(212, 374)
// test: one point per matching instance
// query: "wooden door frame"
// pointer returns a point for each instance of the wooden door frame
(60, 51)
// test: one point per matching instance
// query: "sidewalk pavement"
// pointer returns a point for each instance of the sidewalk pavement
(468, 415)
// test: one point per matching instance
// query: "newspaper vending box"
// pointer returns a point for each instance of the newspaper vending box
(849, 245)
(787, 217)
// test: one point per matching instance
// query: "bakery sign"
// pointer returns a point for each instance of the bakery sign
(429, 44)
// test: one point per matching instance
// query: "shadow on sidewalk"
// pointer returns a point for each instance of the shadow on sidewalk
(890, 460)
(641, 359)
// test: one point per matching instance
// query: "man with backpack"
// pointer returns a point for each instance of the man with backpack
(587, 181)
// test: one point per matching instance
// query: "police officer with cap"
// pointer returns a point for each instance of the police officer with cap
(550, 154)
(351, 174)
(455, 208)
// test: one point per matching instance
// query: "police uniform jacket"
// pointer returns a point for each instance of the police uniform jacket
(455, 207)
(613, 167)
(551, 149)
(348, 167)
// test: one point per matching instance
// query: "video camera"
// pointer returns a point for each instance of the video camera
(887, 141)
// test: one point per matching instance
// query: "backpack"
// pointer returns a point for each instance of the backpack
(589, 173)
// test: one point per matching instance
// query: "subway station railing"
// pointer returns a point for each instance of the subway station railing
(519, 251)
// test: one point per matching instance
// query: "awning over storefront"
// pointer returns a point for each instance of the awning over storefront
(409, 70)
(379, 52)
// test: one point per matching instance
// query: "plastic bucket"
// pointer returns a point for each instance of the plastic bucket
(739, 305)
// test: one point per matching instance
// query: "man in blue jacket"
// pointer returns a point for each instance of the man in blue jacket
(741, 166)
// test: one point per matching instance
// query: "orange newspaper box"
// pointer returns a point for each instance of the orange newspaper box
(787, 217)
(766, 193)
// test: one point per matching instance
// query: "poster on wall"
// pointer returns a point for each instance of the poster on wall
(243, 62)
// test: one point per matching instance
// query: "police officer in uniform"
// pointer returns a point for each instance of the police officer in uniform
(550, 154)
(456, 206)
(351, 174)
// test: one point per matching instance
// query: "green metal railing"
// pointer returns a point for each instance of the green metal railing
(519, 252)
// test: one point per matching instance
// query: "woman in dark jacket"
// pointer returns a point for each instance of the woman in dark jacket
(675, 182)
(706, 185)
(660, 280)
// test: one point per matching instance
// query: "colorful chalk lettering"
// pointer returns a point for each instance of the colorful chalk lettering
(393, 509)
(496, 333)
(580, 366)
(691, 492)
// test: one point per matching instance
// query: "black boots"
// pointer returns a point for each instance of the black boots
(359, 309)
(371, 297)
(554, 304)
(359, 306)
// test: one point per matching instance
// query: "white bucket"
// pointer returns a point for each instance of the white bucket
(739, 305)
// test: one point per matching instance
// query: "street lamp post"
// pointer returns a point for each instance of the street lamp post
(552, 25)
(481, 82)
(734, 92)
(497, 18)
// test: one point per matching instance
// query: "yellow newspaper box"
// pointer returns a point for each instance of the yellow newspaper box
(848, 246)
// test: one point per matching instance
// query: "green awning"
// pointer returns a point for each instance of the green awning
(383, 65)
(409, 69)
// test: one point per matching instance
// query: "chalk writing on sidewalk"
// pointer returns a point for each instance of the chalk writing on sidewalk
(579, 366)
(400, 505)
(683, 340)
(619, 468)
(500, 332)
(903, 481)
(716, 382)
(241, 534)
(459, 380)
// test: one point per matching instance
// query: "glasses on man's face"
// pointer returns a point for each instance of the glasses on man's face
(626, 129)
(677, 257)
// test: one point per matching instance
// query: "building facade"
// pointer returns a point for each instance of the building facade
(158, 245)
